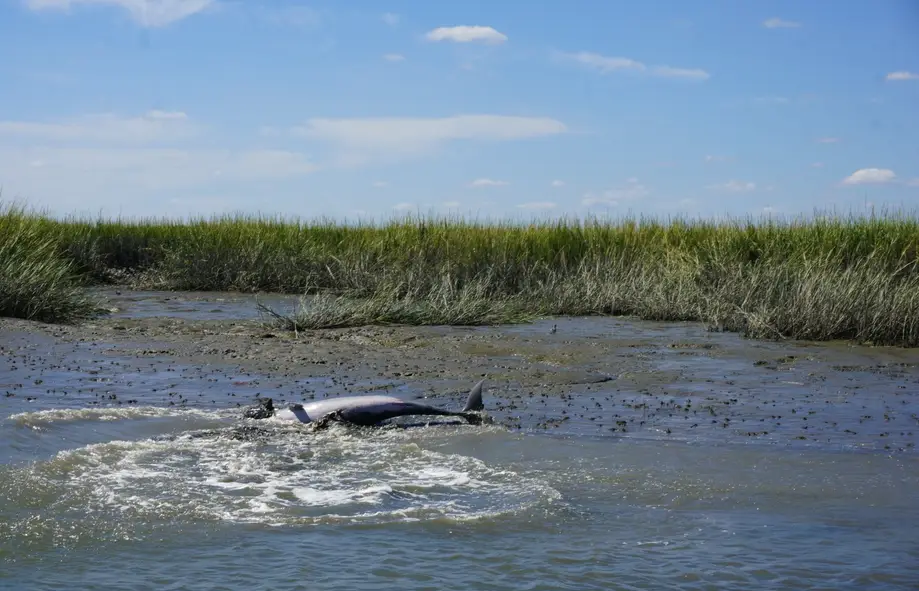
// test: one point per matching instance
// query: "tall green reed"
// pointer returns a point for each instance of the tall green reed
(823, 277)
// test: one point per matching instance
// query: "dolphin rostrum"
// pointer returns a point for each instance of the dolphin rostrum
(364, 410)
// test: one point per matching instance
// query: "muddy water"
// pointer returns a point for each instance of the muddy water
(623, 455)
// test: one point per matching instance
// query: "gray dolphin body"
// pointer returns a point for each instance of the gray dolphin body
(365, 410)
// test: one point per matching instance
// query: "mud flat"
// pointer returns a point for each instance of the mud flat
(623, 452)
(592, 376)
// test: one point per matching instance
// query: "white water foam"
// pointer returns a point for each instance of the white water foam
(295, 477)
(55, 415)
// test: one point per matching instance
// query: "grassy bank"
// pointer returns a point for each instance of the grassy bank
(826, 278)
(36, 281)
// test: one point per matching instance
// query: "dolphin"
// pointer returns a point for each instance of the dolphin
(364, 410)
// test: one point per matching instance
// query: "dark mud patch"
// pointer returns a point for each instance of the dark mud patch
(696, 346)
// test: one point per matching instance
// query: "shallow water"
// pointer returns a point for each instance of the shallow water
(196, 304)
(785, 467)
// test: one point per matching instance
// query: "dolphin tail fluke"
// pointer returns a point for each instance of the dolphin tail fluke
(474, 401)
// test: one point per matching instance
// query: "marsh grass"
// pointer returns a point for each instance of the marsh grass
(36, 282)
(439, 305)
(824, 277)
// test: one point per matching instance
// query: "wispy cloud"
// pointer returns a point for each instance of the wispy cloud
(102, 157)
(609, 64)
(538, 205)
(478, 183)
(777, 23)
(386, 136)
(391, 19)
(901, 76)
(467, 34)
(734, 186)
(69, 173)
(866, 176)
(147, 13)
(109, 128)
(394, 57)
(603, 63)
(688, 73)
(630, 191)
(557, 183)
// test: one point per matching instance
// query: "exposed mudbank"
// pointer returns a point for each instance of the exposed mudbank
(599, 376)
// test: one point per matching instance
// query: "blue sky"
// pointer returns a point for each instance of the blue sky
(494, 109)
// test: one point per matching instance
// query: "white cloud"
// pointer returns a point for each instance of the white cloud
(106, 127)
(817, 165)
(902, 75)
(467, 34)
(380, 184)
(98, 156)
(777, 23)
(385, 136)
(864, 176)
(450, 204)
(604, 63)
(404, 206)
(688, 73)
(632, 190)
(168, 165)
(391, 19)
(68, 177)
(913, 182)
(558, 183)
(709, 158)
(394, 57)
(537, 205)
(608, 64)
(734, 186)
(488, 183)
(828, 140)
(147, 13)
(102, 158)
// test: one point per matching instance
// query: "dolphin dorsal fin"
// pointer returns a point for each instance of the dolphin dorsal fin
(474, 401)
